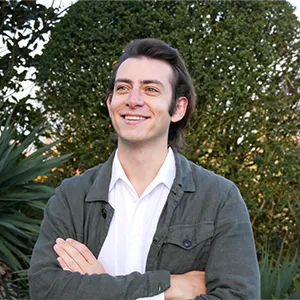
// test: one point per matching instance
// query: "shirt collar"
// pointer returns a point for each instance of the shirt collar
(165, 175)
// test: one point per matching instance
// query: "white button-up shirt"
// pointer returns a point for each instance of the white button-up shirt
(135, 219)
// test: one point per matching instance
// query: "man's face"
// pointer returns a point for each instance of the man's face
(140, 101)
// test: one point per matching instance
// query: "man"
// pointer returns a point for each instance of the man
(148, 222)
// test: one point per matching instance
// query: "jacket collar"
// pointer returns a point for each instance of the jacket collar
(100, 187)
(184, 176)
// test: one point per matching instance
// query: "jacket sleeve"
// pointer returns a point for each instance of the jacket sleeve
(48, 281)
(232, 269)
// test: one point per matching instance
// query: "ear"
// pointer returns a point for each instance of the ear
(180, 109)
(108, 100)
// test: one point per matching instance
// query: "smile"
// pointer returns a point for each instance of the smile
(134, 118)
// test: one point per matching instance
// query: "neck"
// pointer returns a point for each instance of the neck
(141, 163)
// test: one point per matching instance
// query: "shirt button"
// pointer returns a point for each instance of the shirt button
(104, 213)
(187, 243)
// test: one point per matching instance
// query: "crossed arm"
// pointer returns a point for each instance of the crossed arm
(231, 270)
(76, 257)
(59, 276)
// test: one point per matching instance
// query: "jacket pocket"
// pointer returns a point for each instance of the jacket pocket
(186, 247)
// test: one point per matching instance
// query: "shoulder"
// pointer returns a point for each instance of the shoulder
(211, 181)
(92, 185)
(207, 188)
(214, 194)
(77, 188)
(203, 180)
(83, 181)
(217, 190)
(206, 195)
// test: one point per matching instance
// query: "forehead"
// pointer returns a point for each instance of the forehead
(143, 68)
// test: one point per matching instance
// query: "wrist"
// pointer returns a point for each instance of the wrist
(173, 292)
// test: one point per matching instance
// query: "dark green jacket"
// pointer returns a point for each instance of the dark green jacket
(204, 226)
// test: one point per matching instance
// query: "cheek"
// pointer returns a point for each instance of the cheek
(114, 105)
(160, 106)
(163, 111)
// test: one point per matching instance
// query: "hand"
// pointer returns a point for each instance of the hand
(186, 286)
(76, 257)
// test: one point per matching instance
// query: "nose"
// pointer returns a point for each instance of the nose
(134, 99)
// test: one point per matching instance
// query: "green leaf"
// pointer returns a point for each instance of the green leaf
(19, 194)
(13, 228)
(12, 238)
(297, 284)
(8, 257)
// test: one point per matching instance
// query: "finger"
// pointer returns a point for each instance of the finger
(77, 251)
(63, 264)
(73, 252)
(83, 250)
(69, 261)
(92, 266)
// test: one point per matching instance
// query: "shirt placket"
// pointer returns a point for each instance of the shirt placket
(164, 222)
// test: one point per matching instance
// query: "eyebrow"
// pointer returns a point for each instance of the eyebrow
(146, 81)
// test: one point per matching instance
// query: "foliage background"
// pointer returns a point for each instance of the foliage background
(24, 160)
(23, 26)
(244, 59)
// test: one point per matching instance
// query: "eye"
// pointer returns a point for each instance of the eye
(152, 90)
(122, 88)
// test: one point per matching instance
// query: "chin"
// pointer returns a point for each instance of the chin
(131, 139)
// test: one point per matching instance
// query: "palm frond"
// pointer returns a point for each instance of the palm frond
(278, 276)
(19, 193)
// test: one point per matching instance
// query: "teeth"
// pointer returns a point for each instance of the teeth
(134, 118)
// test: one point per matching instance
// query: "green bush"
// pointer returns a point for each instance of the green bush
(24, 26)
(244, 59)
(20, 196)
(278, 277)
